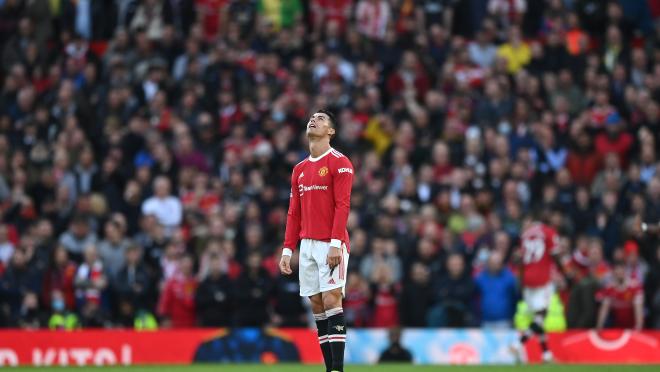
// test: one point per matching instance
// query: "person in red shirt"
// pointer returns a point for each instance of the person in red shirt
(615, 139)
(623, 299)
(324, 11)
(177, 301)
(539, 256)
(318, 212)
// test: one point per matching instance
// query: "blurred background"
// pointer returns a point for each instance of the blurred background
(146, 150)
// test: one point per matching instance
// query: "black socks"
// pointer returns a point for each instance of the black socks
(322, 329)
(336, 337)
(538, 330)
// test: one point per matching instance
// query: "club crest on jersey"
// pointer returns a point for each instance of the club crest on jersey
(323, 171)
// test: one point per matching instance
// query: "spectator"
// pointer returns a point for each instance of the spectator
(133, 285)
(373, 17)
(281, 13)
(515, 52)
(31, 315)
(482, 51)
(19, 282)
(61, 318)
(585, 276)
(6, 247)
(78, 237)
(253, 293)
(395, 352)
(356, 302)
(289, 310)
(453, 292)
(60, 277)
(652, 292)
(215, 296)
(112, 249)
(163, 205)
(497, 287)
(417, 289)
(622, 300)
(91, 282)
(177, 300)
(385, 297)
(614, 140)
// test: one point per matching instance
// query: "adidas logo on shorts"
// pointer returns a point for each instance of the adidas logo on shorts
(331, 281)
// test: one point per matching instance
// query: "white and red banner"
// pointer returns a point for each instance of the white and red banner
(364, 346)
(601, 347)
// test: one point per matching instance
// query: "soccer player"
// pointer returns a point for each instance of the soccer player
(539, 252)
(318, 211)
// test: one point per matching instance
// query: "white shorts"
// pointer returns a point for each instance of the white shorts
(314, 271)
(538, 298)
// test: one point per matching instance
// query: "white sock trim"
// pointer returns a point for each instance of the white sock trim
(335, 311)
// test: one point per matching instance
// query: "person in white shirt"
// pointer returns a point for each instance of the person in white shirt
(166, 207)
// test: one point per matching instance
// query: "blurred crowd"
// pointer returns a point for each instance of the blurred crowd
(146, 149)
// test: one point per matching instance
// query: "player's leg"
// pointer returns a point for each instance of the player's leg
(538, 303)
(332, 283)
(322, 329)
(539, 331)
(332, 302)
(309, 287)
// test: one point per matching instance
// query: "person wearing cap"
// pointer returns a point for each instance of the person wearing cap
(614, 139)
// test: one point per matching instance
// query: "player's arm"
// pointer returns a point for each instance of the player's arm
(342, 179)
(556, 253)
(292, 232)
(638, 303)
(602, 313)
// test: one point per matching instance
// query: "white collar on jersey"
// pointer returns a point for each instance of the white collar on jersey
(320, 156)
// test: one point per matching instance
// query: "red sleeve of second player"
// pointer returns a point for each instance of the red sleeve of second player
(552, 241)
(342, 185)
(292, 234)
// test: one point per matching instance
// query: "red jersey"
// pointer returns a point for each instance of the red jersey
(177, 301)
(538, 243)
(320, 199)
(622, 301)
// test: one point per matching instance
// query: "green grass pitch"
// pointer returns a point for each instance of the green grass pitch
(378, 368)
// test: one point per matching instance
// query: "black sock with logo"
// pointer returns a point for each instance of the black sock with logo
(322, 330)
(337, 337)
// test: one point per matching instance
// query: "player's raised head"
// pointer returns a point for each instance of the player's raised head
(322, 124)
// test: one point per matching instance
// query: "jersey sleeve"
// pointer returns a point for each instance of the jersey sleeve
(342, 179)
(552, 242)
(292, 233)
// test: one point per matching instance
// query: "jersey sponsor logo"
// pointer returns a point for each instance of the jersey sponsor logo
(344, 170)
(323, 171)
(302, 189)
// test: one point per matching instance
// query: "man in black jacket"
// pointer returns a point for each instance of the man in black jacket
(133, 285)
(214, 299)
(395, 352)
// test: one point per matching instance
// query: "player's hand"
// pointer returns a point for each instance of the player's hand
(334, 257)
(285, 265)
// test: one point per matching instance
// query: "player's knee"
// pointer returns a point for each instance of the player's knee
(536, 328)
(332, 299)
(317, 303)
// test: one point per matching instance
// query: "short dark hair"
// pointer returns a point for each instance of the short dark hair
(332, 117)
